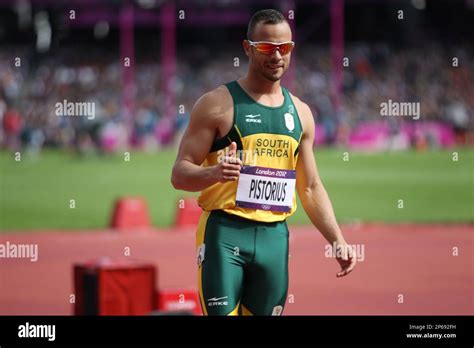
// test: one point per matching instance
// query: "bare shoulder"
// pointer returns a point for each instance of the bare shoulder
(304, 111)
(213, 105)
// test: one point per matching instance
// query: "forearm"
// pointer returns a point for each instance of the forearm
(188, 176)
(319, 209)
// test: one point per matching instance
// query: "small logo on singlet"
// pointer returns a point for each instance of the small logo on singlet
(289, 122)
(217, 301)
(253, 118)
(277, 310)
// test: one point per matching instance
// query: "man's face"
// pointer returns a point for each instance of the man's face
(272, 67)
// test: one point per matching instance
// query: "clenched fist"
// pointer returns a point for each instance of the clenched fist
(229, 167)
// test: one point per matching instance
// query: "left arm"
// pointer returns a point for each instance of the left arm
(313, 195)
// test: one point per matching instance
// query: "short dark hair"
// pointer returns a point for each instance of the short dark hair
(268, 16)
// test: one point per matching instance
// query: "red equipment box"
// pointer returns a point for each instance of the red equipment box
(188, 213)
(114, 287)
(130, 213)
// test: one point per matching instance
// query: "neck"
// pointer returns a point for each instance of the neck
(259, 85)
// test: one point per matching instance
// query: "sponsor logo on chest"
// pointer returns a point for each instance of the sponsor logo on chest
(253, 118)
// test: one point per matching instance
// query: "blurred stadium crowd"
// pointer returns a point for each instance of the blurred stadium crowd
(376, 73)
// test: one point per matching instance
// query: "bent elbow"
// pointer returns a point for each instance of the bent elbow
(175, 183)
(175, 180)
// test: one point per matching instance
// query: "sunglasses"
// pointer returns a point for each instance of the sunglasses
(269, 48)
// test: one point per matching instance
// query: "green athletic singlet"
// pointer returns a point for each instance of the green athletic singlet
(242, 237)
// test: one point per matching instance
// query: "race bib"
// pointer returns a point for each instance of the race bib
(266, 188)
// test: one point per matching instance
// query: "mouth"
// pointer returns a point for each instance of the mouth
(274, 66)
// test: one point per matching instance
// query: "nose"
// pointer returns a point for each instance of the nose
(276, 54)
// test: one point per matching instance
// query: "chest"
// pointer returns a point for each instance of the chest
(255, 119)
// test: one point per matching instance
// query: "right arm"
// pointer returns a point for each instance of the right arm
(188, 174)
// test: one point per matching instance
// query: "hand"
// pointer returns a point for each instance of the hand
(346, 258)
(229, 167)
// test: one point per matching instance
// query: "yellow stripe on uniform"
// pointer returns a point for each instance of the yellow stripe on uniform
(238, 131)
(201, 231)
(235, 311)
(245, 311)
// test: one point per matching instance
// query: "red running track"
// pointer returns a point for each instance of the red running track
(415, 261)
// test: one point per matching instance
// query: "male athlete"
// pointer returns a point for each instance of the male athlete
(248, 145)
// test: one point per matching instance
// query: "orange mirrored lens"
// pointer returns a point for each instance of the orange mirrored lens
(286, 48)
(268, 48)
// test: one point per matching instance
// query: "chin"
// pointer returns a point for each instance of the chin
(273, 78)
